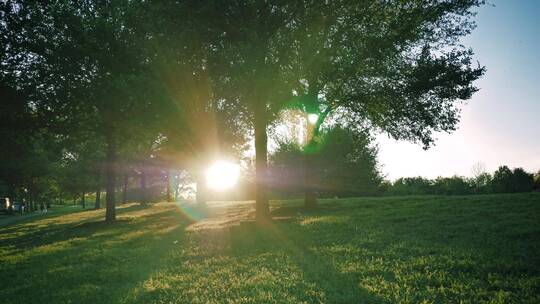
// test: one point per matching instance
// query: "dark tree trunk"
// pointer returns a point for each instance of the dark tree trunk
(262, 210)
(168, 180)
(83, 200)
(124, 189)
(144, 196)
(110, 213)
(98, 199)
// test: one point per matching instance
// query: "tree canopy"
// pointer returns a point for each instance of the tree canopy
(190, 80)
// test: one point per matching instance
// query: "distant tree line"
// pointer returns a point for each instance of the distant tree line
(503, 180)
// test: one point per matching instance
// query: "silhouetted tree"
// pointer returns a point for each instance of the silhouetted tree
(502, 180)
(522, 181)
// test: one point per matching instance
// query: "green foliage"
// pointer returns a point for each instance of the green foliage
(396, 67)
(344, 165)
(287, 170)
(410, 185)
(474, 249)
(508, 181)
(452, 186)
(503, 180)
(482, 183)
(30, 155)
(537, 181)
(193, 76)
(522, 181)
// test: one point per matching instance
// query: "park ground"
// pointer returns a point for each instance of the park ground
(462, 249)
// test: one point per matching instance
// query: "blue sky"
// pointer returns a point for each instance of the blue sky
(501, 123)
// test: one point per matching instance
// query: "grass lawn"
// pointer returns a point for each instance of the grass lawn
(466, 249)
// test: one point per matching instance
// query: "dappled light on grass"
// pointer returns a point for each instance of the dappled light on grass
(216, 215)
(324, 219)
(387, 250)
(92, 261)
(223, 217)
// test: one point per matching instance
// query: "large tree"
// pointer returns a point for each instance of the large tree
(83, 59)
(393, 66)
(254, 58)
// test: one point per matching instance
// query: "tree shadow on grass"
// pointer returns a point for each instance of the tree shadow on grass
(324, 254)
(317, 269)
(302, 211)
(92, 261)
(463, 243)
(44, 231)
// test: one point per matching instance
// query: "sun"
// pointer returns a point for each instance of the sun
(222, 175)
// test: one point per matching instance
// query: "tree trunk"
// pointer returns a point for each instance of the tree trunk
(98, 199)
(144, 196)
(124, 189)
(168, 180)
(262, 210)
(110, 213)
(83, 200)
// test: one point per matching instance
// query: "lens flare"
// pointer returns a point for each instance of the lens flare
(312, 118)
(222, 175)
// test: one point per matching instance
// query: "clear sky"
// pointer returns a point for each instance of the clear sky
(501, 123)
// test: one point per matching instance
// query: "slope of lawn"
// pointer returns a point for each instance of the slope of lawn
(467, 249)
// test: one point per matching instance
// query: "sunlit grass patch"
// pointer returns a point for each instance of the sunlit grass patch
(324, 219)
(480, 249)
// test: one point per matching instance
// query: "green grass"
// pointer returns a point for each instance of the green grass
(469, 249)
